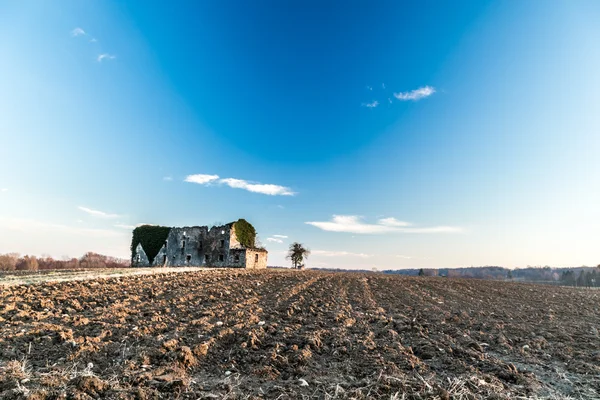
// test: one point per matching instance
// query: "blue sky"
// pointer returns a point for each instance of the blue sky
(394, 135)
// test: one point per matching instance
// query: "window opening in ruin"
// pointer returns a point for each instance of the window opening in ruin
(256, 258)
(138, 258)
(188, 258)
(222, 244)
(236, 258)
(164, 259)
(206, 258)
(221, 257)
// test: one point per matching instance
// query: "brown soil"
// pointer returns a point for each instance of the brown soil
(283, 335)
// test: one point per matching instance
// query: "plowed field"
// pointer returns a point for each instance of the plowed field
(284, 334)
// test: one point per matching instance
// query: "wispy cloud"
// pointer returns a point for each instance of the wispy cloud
(167, 178)
(370, 88)
(77, 32)
(30, 225)
(416, 94)
(201, 179)
(96, 213)
(93, 40)
(354, 224)
(372, 104)
(123, 226)
(263, 188)
(105, 56)
(276, 238)
(383, 85)
(391, 221)
(404, 257)
(329, 253)
(4, 190)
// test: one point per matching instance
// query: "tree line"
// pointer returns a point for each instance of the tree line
(578, 276)
(16, 262)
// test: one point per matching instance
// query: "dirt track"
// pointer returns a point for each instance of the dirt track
(283, 334)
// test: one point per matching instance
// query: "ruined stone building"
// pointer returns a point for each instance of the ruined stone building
(198, 246)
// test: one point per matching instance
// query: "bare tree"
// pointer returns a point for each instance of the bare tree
(297, 253)
(8, 262)
(27, 263)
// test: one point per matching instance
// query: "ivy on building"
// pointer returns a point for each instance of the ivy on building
(245, 232)
(152, 239)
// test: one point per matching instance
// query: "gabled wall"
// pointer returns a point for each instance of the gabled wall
(140, 259)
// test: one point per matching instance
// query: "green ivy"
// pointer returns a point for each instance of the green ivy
(245, 232)
(152, 239)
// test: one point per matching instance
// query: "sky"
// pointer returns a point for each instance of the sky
(380, 135)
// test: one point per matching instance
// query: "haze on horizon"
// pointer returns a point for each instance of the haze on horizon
(388, 135)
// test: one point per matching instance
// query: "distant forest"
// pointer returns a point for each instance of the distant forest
(577, 276)
(16, 262)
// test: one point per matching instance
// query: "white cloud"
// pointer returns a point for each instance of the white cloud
(77, 32)
(391, 221)
(383, 85)
(263, 188)
(168, 178)
(404, 257)
(369, 87)
(416, 94)
(201, 179)
(372, 104)
(96, 213)
(280, 206)
(3, 190)
(276, 238)
(93, 40)
(123, 226)
(105, 56)
(354, 224)
(328, 253)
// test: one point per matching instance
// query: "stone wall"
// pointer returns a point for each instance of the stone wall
(200, 247)
(140, 259)
(256, 258)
